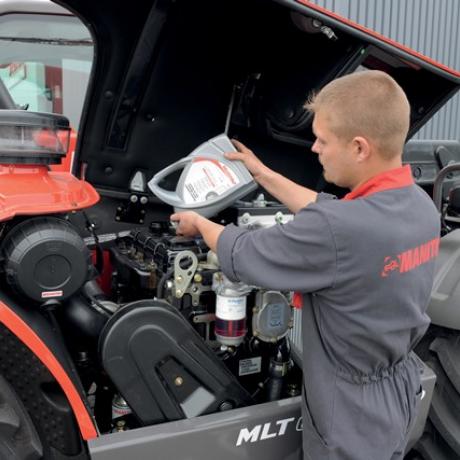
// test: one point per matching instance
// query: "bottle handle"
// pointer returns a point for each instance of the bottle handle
(170, 197)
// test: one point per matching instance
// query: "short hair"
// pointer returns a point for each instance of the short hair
(369, 104)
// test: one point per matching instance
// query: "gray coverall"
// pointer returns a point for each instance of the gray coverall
(365, 266)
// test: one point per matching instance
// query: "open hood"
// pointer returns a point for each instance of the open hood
(169, 75)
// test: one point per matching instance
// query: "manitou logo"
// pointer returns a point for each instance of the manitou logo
(389, 265)
(268, 430)
(410, 259)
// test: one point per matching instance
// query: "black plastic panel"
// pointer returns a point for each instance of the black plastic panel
(162, 367)
(427, 157)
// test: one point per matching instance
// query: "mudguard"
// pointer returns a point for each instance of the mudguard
(34, 360)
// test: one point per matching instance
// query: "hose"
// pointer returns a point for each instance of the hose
(162, 282)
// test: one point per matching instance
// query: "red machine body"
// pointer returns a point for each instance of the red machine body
(34, 190)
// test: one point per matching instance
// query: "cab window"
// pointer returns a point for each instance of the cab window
(45, 62)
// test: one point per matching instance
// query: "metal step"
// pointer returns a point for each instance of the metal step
(448, 351)
(445, 407)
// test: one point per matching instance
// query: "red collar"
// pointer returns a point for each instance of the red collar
(394, 178)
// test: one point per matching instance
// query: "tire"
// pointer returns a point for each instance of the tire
(18, 438)
(36, 419)
(440, 349)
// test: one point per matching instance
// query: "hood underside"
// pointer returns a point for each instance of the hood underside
(169, 75)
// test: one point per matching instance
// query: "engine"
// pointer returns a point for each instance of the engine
(186, 274)
(157, 331)
(246, 357)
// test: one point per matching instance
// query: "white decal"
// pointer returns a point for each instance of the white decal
(206, 179)
(299, 426)
(262, 432)
(246, 435)
(283, 425)
(51, 294)
(266, 432)
(250, 366)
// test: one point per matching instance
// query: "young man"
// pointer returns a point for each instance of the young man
(364, 264)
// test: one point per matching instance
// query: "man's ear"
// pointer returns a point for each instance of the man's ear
(361, 148)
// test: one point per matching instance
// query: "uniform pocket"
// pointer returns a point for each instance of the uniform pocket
(310, 431)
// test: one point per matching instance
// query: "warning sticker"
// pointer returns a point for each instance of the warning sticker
(51, 294)
(206, 179)
(250, 366)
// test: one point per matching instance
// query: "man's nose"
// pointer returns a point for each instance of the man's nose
(314, 147)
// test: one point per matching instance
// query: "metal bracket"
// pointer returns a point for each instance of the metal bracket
(183, 276)
(134, 210)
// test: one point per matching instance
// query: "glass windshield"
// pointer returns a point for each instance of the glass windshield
(45, 62)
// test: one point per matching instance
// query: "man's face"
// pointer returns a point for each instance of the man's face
(335, 154)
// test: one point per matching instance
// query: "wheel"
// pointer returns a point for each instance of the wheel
(18, 438)
(36, 420)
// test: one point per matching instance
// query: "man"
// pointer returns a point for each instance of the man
(364, 264)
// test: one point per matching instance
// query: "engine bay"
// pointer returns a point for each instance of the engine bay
(155, 329)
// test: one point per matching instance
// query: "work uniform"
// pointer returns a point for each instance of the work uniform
(365, 266)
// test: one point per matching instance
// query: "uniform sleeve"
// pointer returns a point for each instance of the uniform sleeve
(322, 196)
(297, 256)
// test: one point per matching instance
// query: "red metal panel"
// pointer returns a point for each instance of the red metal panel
(33, 190)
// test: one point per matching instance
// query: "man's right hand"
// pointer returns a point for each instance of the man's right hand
(254, 165)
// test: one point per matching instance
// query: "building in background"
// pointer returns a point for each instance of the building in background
(427, 26)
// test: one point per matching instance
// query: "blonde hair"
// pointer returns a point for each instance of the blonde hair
(369, 104)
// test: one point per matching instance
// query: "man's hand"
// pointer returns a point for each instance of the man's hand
(292, 195)
(192, 224)
(254, 165)
(187, 223)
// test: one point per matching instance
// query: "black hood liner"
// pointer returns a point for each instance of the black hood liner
(143, 114)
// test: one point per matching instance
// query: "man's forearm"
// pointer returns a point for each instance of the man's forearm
(292, 195)
(210, 232)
